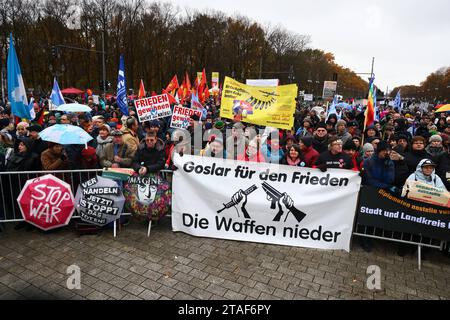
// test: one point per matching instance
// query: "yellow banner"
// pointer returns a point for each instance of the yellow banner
(265, 106)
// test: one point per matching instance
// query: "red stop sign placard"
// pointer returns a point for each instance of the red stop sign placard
(46, 202)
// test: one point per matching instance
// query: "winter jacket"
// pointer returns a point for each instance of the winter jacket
(22, 161)
(337, 161)
(131, 139)
(101, 144)
(124, 152)
(320, 145)
(309, 156)
(432, 180)
(153, 159)
(413, 158)
(271, 157)
(434, 152)
(443, 169)
(344, 137)
(378, 173)
(52, 161)
(258, 157)
(401, 171)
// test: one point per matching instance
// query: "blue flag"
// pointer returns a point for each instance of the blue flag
(56, 96)
(398, 102)
(16, 89)
(122, 89)
(31, 108)
(332, 108)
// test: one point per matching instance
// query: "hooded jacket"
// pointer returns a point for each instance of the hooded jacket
(378, 173)
(309, 156)
(432, 179)
(153, 159)
(131, 139)
(22, 161)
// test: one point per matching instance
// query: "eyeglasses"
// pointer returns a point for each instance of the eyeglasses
(321, 130)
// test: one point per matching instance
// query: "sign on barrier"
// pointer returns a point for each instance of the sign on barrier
(379, 208)
(262, 202)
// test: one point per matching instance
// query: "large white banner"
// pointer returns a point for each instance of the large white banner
(263, 202)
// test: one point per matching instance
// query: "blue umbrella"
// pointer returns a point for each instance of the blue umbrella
(65, 134)
(74, 107)
(344, 105)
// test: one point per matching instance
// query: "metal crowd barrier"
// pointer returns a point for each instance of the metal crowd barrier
(400, 237)
(11, 184)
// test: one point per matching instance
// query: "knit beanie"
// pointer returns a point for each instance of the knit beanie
(367, 147)
(307, 141)
(436, 138)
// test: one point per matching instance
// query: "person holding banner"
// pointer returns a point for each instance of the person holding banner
(425, 173)
(293, 157)
(334, 157)
(271, 149)
(252, 153)
(214, 149)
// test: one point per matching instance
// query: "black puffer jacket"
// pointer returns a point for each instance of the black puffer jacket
(413, 158)
(320, 145)
(153, 159)
(22, 161)
(401, 169)
(443, 169)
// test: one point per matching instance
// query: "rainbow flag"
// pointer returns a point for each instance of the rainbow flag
(370, 110)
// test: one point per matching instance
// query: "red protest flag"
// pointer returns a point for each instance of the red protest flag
(171, 97)
(173, 84)
(141, 90)
(202, 84)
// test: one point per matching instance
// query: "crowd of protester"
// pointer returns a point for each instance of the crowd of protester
(407, 144)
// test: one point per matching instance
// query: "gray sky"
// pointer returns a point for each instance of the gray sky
(408, 38)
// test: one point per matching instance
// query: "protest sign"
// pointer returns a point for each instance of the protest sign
(262, 202)
(308, 97)
(149, 196)
(151, 108)
(46, 202)
(181, 115)
(99, 201)
(329, 89)
(378, 208)
(419, 191)
(215, 80)
(265, 106)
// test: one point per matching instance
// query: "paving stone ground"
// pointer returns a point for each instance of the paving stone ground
(168, 265)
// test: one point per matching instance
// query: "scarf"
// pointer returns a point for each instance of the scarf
(293, 162)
